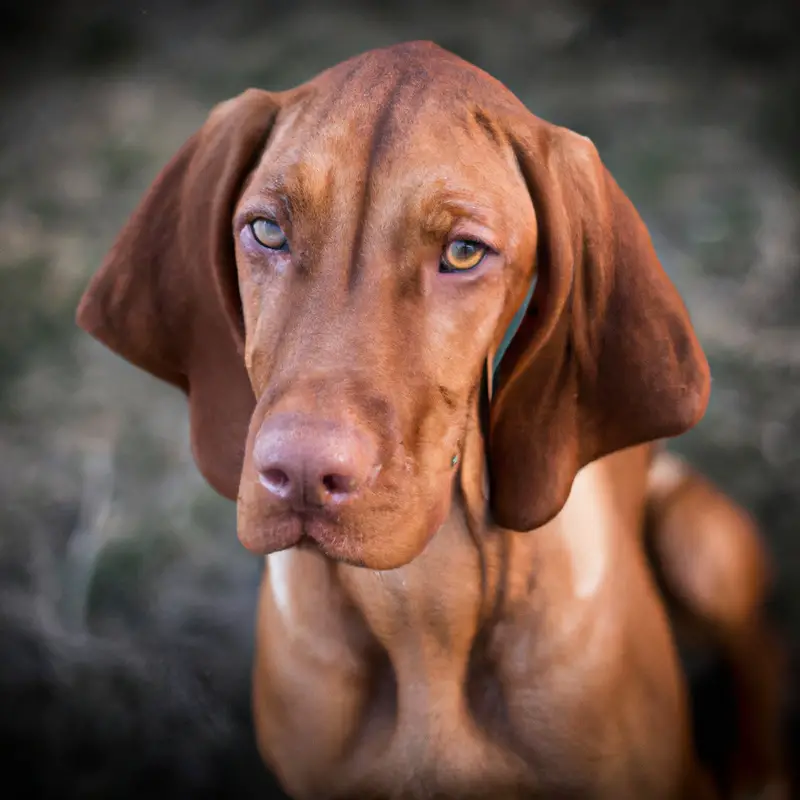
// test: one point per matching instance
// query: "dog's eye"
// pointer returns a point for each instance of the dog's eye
(462, 255)
(268, 233)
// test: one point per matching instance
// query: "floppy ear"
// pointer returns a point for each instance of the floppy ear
(605, 357)
(166, 297)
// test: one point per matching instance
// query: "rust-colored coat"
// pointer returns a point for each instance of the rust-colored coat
(457, 601)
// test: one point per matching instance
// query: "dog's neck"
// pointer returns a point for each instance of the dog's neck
(423, 639)
(427, 615)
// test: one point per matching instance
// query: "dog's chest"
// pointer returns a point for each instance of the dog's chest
(440, 707)
(433, 699)
(517, 724)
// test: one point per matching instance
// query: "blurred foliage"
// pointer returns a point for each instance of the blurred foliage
(33, 331)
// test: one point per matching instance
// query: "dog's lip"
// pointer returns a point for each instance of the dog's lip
(316, 532)
(270, 535)
(306, 530)
(321, 531)
(304, 520)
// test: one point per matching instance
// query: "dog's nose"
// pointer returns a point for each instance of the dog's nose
(308, 462)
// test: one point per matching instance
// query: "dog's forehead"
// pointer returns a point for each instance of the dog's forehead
(421, 66)
(405, 112)
(395, 92)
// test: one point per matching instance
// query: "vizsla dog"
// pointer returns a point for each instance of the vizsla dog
(429, 350)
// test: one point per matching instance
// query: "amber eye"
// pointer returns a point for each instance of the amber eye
(268, 233)
(462, 255)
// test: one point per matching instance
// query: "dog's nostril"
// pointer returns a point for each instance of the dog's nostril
(276, 480)
(339, 484)
(306, 463)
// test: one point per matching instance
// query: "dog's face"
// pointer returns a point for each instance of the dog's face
(326, 272)
(375, 264)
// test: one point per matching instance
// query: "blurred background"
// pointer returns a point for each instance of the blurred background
(126, 602)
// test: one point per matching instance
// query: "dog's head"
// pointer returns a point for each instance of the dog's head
(328, 271)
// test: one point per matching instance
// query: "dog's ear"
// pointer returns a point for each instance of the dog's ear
(166, 297)
(605, 357)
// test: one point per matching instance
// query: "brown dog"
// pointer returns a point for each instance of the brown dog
(457, 601)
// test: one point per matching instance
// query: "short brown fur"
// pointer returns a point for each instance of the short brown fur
(479, 618)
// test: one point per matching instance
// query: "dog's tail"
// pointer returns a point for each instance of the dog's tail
(714, 571)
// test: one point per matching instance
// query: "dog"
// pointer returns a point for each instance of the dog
(429, 350)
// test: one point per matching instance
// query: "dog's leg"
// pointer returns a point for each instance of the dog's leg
(712, 565)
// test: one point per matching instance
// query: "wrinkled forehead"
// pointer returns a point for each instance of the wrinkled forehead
(410, 123)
